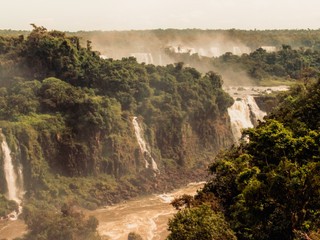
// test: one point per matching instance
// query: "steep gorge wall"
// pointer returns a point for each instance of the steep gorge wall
(188, 145)
(45, 152)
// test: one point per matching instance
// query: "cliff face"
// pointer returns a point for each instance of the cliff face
(53, 162)
(266, 103)
(188, 145)
(51, 150)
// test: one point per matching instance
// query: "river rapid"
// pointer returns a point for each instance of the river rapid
(147, 216)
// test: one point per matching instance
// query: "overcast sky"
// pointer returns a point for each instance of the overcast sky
(74, 15)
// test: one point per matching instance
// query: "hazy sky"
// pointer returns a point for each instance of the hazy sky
(74, 15)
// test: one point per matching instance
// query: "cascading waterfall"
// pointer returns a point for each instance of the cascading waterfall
(13, 178)
(239, 114)
(244, 113)
(149, 161)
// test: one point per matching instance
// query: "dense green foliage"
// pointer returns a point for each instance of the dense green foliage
(269, 187)
(199, 223)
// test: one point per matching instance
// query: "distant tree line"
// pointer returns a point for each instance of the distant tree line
(260, 65)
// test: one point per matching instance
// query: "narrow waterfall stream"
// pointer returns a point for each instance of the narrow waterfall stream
(13, 178)
(149, 161)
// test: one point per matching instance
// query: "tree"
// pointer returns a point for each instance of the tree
(215, 79)
(199, 223)
(69, 224)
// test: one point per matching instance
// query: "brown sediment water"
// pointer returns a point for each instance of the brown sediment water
(12, 229)
(147, 216)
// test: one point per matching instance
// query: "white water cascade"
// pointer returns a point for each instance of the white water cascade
(239, 114)
(13, 178)
(245, 112)
(149, 161)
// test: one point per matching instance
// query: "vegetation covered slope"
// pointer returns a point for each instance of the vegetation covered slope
(67, 116)
(258, 67)
(269, 186)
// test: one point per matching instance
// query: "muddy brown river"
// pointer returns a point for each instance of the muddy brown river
(147, 216)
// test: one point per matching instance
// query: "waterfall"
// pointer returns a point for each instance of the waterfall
(143, 146)
(244, 113)
(13, 177)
